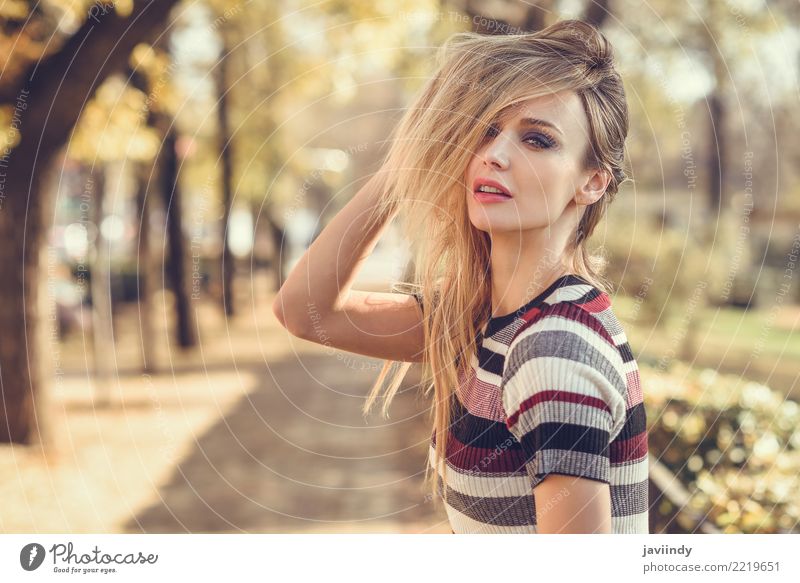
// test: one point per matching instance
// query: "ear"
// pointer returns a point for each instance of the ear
(594, 185)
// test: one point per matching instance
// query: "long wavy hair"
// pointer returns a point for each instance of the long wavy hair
(477, 78)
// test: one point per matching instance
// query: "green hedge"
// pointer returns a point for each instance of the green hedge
(733, 444)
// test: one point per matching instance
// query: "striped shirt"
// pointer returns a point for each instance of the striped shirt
(553, 388)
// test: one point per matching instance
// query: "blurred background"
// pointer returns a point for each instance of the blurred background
(163, 165)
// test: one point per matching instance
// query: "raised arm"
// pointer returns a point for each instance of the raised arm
(316, 301)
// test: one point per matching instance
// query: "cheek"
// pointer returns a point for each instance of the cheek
(549, 178)
(535, 181)
(472, 170)
(546, 193)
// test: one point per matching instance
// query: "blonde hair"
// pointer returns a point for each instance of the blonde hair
(478, 78)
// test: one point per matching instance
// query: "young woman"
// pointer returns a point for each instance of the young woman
(502, 168)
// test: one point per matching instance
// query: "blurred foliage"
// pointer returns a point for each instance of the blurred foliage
(111, 126)
(671, 266)
(298, 60)
(293, 62)
(734, 444)
(652, 264)
(32, 30)
(108, 128)
(673, 58)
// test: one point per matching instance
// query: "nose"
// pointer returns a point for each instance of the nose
(496, 154)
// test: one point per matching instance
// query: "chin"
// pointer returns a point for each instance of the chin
(495, 220)
(493, 225)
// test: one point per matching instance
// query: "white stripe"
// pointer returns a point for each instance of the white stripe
(631, 524)
(630, 366)
(560, 412)
(541, 374)
(485, 486)
(609, 320)
(629, 474)
(463, 524)
(487, 377)
(495, 346)
(566, 293)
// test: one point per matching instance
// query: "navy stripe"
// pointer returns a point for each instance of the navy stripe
(494, 510)
(496, 324)
(565, 436)
(627, 499)
(635, 423)
(625, 351)
(477, 431)
(490, 361)
(587, 297)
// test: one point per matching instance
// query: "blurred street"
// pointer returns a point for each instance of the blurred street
(254, 431)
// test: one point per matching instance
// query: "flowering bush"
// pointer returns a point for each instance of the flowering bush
(734, 445)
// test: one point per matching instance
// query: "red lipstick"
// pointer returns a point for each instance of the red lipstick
(485, 190)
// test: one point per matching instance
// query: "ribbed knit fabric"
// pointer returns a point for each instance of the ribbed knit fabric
(553, 388)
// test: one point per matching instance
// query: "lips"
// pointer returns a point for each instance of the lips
(487, 197)
(493, 187)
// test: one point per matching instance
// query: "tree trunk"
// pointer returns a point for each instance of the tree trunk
(717, 114)
(278, 238)
(55, 92)
(596, 12)
(408, 270)
(538, 15)
(21, 376)
(509, 18)
(716, 160)
(186, 331)
(102, 333)
(226, 156)
(145, 268)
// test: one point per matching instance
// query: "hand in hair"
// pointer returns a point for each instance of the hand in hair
(316, 301)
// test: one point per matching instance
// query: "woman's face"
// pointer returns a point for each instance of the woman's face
(536, 156)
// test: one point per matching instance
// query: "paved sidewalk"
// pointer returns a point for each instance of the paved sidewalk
(253, 431)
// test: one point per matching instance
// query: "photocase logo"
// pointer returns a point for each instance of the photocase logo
(31, 556)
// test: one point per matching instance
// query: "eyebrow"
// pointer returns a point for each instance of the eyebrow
(532, 121)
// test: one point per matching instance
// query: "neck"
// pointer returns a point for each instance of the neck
(524, 264)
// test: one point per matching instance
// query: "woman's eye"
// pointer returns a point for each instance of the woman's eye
(540, 140)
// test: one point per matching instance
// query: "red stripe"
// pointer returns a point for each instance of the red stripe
(508, 459)
(529, 316)
(481, 398)
(570, 311)
(634, 388)
(629, 450)
(559, 396)
(598, 304)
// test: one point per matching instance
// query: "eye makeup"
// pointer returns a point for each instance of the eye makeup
(539, 139)
(544, 140)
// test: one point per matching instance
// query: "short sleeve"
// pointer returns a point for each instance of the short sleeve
(564, 393)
